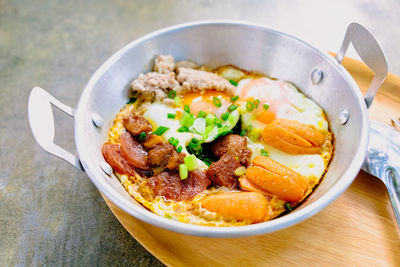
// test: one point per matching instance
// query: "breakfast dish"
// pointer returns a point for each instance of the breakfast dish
(221, 147)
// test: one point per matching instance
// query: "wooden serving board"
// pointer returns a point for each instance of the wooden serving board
(357, 229)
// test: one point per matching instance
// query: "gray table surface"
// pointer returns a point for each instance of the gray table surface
(50, 213)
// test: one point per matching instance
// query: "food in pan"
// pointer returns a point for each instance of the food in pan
(221, 147)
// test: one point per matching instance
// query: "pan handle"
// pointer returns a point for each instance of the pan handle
(41, 121)
(370, 52)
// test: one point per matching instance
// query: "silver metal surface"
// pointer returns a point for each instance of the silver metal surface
(252, 47)
(383, 160)
(106, 168)
(97, 120)
(316, 76)
(343, 117)
(370, 52)
(42, 123)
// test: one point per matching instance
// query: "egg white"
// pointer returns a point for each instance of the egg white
(310, 166)
(299, 108)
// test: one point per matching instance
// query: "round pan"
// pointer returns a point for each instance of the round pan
(249, 46)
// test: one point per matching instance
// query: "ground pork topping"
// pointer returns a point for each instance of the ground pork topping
(185, 64)
(199, 81)
(164, 64)
(155, 85)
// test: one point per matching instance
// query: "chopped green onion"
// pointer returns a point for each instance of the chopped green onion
(256, 103)
(177, 101)
(142, 136)
(243, 132)
(240, 171)
(190, 162)
(172, 94)
(254, 134)
(194, 141)
(232, 107)
(249, 106)
(168, 216)
(217, 101)
(201, 114)
(233, 82)
(171, 116)
(183, 171)
(179, 149)
(160, 130)
(187, 119)
(210, 119)
(132, 100)
(266, 106)
(186, 108)
(234, 98)
(264, 152)
(173, 141)
(288, 206)
(183, 129)
(218, 122)
(199, 125)
(225, 116)
(233, 118)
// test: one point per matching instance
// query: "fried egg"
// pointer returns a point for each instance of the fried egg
(283, 100)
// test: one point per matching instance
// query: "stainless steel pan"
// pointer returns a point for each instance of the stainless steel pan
(249, 46)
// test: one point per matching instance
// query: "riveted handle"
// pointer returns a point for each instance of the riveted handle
(41, 121)
(370, 52)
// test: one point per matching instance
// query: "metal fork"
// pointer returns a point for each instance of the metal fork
(383, 159)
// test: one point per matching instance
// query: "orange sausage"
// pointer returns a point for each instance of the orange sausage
(242, 206)
(293, 137)
(276, 179)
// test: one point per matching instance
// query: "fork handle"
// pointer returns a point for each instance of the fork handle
(392, 181)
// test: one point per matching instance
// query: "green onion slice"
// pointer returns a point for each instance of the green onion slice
(201, 114)
(288, 206)
(142, 136)
(210, 119)
(225, 116)
(233, 82)
(183, 129)
(266, 106)
(234, 98)
(217, 101)
(172, 94)
(264, 152)
(160, 130)
(186, 108)
(190, 162)
(256, 103)
(232, 107)
(171, 116)
(249, 106)
(179, 149)
(183, 171)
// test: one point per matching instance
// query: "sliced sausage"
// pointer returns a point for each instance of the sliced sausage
(221, 172)
(276, 179)
(112, 154)
(136, 124)
(133, 151)
(244, 206)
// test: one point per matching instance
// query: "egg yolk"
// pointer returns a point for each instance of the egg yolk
(274, 99)
(205, 101)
